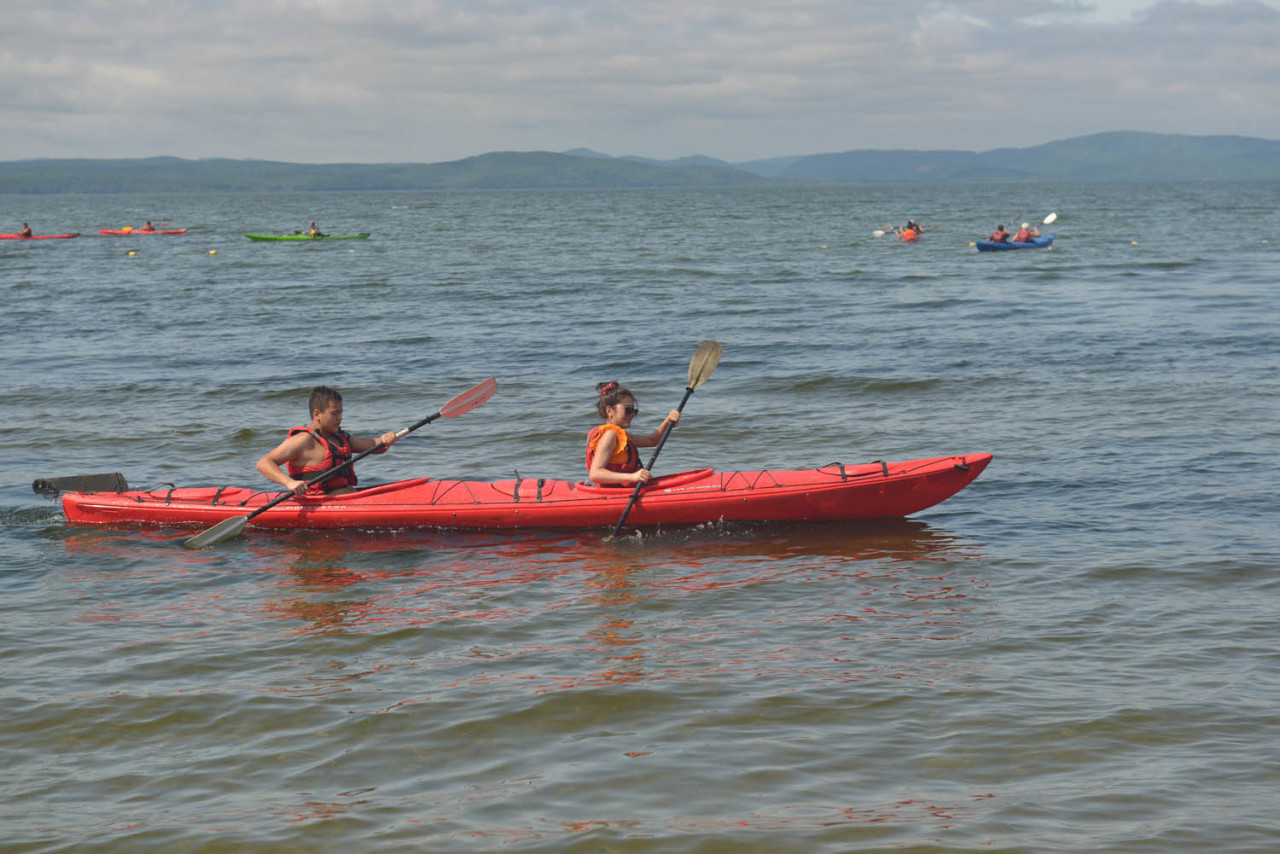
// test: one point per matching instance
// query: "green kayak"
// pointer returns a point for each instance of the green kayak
(305, 236)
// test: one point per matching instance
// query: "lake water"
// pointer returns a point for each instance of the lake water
(1076, 653)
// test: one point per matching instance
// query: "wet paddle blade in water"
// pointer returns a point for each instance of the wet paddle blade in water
(224, 530)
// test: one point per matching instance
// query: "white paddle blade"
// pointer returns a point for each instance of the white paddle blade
(704, 361)
(470, 399)
(877, 233)
(224, 530)
(1049, 220)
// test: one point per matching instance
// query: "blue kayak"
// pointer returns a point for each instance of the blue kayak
(1037, 243)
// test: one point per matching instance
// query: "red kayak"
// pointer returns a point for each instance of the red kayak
(133, 231)
(831, 493)
(39, 236)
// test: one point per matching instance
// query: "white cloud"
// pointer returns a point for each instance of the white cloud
(375, 80)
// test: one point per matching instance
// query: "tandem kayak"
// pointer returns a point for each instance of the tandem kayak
(1036, 243)
(833, 492)
(261, 237)
(39, 236)
(132, 231)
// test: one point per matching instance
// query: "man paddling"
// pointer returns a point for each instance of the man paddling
(310, 451)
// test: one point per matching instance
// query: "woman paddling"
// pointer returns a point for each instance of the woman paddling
(612, 455)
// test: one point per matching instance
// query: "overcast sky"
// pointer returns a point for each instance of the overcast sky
(397, 80)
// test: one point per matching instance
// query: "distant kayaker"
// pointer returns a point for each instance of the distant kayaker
(313, 450)
(910, 231)
(148, 227)
(1026, 233)
(315, 232)
(26, 231)
(1000, 235)
(612, 455)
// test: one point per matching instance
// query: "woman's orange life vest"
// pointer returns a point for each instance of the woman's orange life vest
(625, 458)
(1022, 236)
(336, 452)
(910, 234)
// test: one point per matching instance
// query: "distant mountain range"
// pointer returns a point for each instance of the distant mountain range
(1105, 157)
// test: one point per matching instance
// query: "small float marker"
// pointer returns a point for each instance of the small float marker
(213, 251)
(132, 252)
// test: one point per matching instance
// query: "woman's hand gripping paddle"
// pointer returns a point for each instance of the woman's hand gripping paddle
(460, 405)
(704, 361)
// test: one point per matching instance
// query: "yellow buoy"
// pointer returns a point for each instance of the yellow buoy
(213, 251)
(1133, 243)
(132, 253)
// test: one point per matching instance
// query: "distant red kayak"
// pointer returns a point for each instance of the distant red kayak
(133, 231)
(38, 236)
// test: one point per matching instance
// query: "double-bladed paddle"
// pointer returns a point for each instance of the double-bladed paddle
(704, 361)
(460, 405)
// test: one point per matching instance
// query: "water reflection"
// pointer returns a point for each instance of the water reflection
(448, 575)
(549, 611)
(322, 569)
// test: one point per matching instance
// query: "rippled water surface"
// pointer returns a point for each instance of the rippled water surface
(1076, 653)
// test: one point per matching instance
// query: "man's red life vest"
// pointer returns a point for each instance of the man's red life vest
(626, 458)
(999, 236)
(336, 452)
